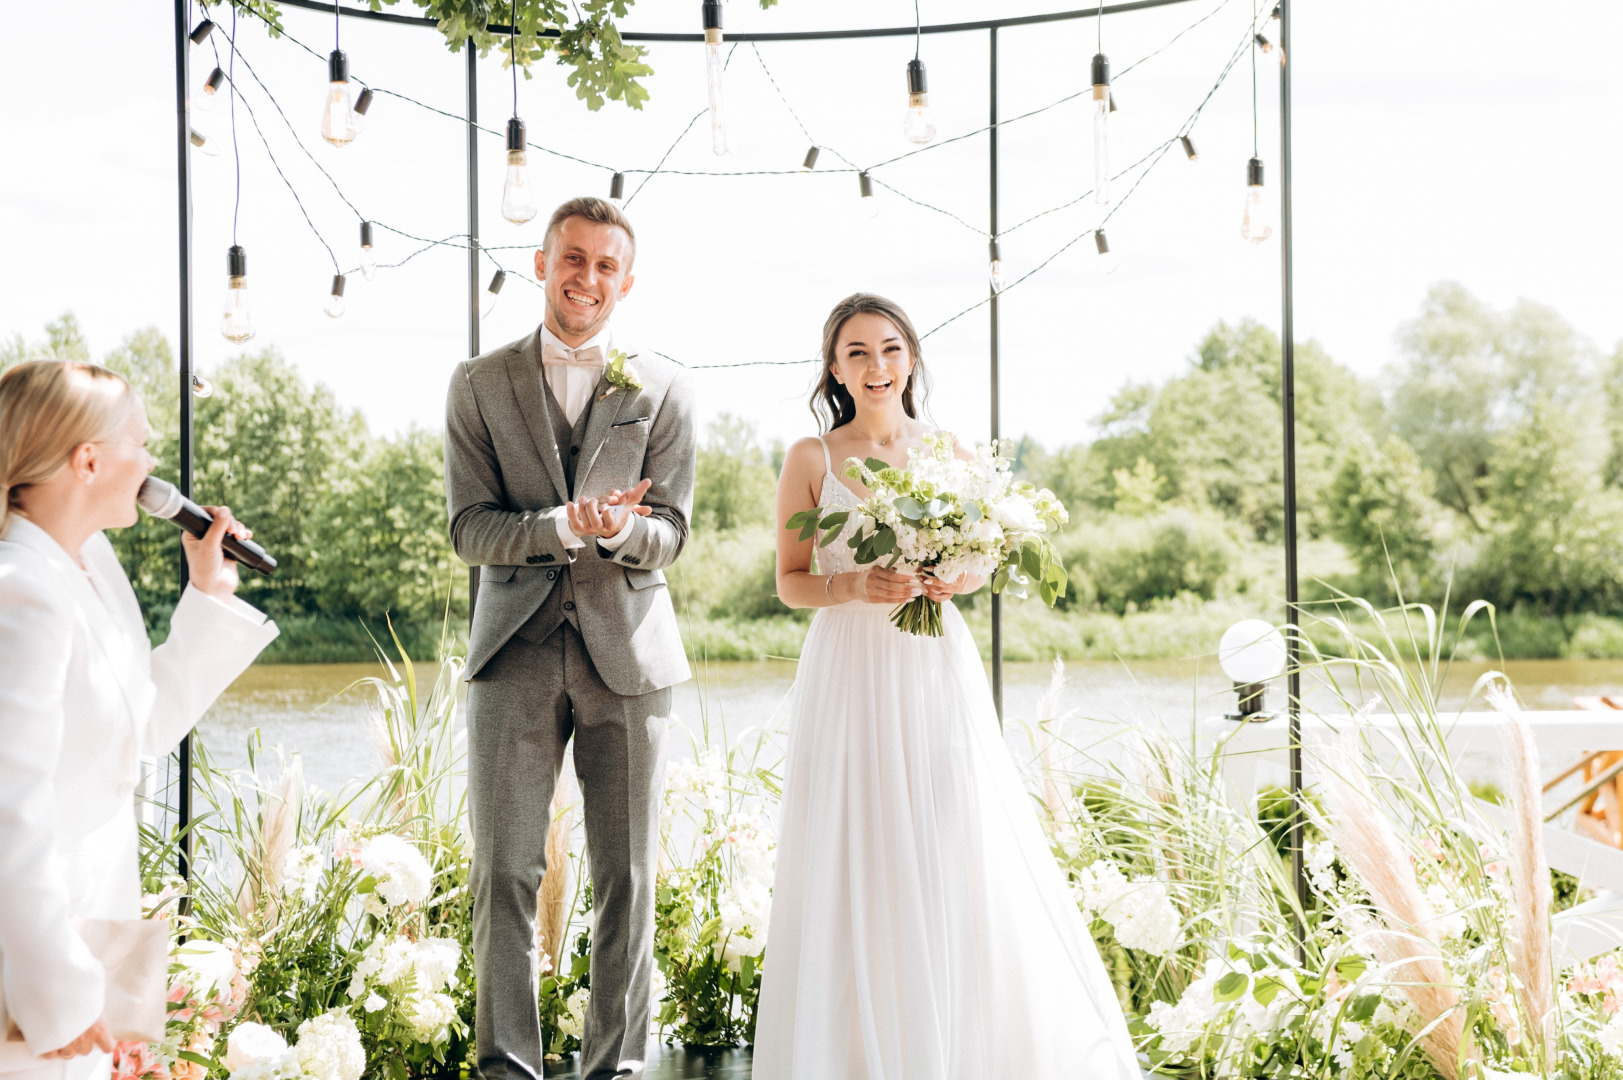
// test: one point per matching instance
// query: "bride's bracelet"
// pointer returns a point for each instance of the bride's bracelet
(828, 586)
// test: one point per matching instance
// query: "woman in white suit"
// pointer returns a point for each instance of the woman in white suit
(83, 695)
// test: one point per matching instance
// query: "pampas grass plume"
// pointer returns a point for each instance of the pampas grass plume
(552, 899)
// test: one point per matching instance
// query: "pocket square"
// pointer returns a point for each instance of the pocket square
(624, 423)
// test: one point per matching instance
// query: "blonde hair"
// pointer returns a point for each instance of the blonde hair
(47, 409)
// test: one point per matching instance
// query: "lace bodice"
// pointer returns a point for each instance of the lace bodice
(837, 558)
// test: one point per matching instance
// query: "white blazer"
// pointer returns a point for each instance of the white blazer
(82, 696)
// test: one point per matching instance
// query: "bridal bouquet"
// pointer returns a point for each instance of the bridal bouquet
(951, 517)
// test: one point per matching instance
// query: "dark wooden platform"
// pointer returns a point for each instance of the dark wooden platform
(673, 1063)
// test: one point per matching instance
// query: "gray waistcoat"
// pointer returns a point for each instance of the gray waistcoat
(559, 606)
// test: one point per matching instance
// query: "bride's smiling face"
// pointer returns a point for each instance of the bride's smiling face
(872, 362)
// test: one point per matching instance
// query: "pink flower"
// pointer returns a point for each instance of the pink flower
(135, 1061)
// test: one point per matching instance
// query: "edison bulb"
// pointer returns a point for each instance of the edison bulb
(714, 66)
(334, 307)
(995, 274)
(369, 261)
(357, 112)
(204, 144)
(1107, 258)
(236, 323)
(1101, 129)
(867, 205)
(518, 198)
(1257, 223)
(210, 94)
(917, 125)
(492, 294)
(337, 114)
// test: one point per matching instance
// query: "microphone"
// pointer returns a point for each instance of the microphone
(162, 499)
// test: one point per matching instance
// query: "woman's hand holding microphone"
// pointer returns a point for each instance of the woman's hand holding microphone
(212, 570)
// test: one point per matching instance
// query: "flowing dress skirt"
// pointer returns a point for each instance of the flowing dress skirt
(920, 927)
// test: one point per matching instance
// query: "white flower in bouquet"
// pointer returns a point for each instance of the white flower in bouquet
(1450, 921)
(745, 912)
(210, 967)
(1098, 885)
(1144, 918)
(435, 961)
(951, 517)
(572, 1021)
(252, 1044)
(301, 873)
(401, 873)
(1610, 1037)
(1320, 859)
(329, 1047)
(431, 1016)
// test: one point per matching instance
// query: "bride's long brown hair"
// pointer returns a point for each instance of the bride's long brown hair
(832, 403)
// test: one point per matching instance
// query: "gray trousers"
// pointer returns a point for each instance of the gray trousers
(522, 709)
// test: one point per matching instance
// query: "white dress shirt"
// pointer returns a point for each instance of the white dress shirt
(572, 387)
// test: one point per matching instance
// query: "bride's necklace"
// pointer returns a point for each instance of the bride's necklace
(878, 442)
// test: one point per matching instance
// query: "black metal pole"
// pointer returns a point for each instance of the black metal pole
(473, 251)
(997, 601)
(1288, 366)
(183, 123)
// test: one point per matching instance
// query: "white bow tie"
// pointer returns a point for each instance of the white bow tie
(590, 357)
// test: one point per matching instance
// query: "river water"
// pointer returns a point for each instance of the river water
(317, 710)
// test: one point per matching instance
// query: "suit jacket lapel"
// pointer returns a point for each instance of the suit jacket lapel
(524, 372)
(605, 411)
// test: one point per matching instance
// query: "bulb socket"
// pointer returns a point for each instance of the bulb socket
(992, 252)
(1188, 147)
(338, 66)
(216, 80)
(617, 187)
(1267, 46)
(1100, 243)
(1252, 697)
(515, 135)
(236, 262)
(201, 31)
(712, 19)
(198, 139)
(363, 101)
(1253, 172)
(811, 160)
(338, 284)
(865, 185)
(1101, 69)
(366, 234)
(917, 83)
(497, 280)
(1277, 12)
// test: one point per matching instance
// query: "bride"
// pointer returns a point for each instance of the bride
(920, 927)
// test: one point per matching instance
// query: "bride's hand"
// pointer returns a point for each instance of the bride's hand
(877, 585)
(941, 591)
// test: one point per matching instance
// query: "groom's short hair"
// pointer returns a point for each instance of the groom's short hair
(591, 208)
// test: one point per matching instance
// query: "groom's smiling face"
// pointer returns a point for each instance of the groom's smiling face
(585, 269)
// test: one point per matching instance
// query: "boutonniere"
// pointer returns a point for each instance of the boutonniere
(621, 375)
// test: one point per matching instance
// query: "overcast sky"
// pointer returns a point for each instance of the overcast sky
(1434, 140)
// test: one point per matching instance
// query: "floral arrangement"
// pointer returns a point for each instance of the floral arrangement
(951, 517)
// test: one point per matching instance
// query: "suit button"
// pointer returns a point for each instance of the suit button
(551, 575)
(546, 558)
(569, 605)
(533, 559)
(573, 450)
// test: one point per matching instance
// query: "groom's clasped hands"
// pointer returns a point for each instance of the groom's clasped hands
(599, 517)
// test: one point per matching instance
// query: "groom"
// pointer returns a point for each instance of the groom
(569, 479)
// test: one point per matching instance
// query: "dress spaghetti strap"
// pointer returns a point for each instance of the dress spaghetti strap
(828, 462)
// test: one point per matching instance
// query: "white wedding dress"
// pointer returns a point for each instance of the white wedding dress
(920, 927)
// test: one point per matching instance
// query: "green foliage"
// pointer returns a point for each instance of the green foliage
(1381, 508)
(1130, 562)
(584, 37)
(735, 477)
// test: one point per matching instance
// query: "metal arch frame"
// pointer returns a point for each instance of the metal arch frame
(991, 26)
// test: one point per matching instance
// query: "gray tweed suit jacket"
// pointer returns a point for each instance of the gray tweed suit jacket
(505, 490)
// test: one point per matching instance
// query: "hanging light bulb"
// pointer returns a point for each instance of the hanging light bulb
(492, 293)
(1107, 258)
(1189, 147)
(337, 114)
(1257, 225)
(617, 190)
(201, 31)
(201, 387)
(869, 205)
(236, 323)
(204, 144)
(994, 269)
(1268, 47)
(1101, 132)
(211, 88)
(334, 307)
(357, 114)
(917, 124)
(714, 67)
(518, 199)
(369, 261)
(811, 160)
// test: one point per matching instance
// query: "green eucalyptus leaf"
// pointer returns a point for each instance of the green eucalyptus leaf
(1230, 986)
(875, 465)
(972, 511)
(909, 508)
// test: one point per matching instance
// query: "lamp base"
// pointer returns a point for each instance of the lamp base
(1251, 702)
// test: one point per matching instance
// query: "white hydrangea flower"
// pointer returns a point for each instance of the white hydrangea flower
(745, 911)
(1144, 918)
(1611, 1037)
(284, 1066)
(572, 1021)
(301, 873)
(431, 1016)
(435, 960)
(402, 874)
(329, 1047)
(252, 1043)
(1319, 859)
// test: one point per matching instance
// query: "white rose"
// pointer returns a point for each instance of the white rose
(252, 1044)
(1015, 513)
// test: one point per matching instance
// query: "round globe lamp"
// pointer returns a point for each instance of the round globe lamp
(1250, 653)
